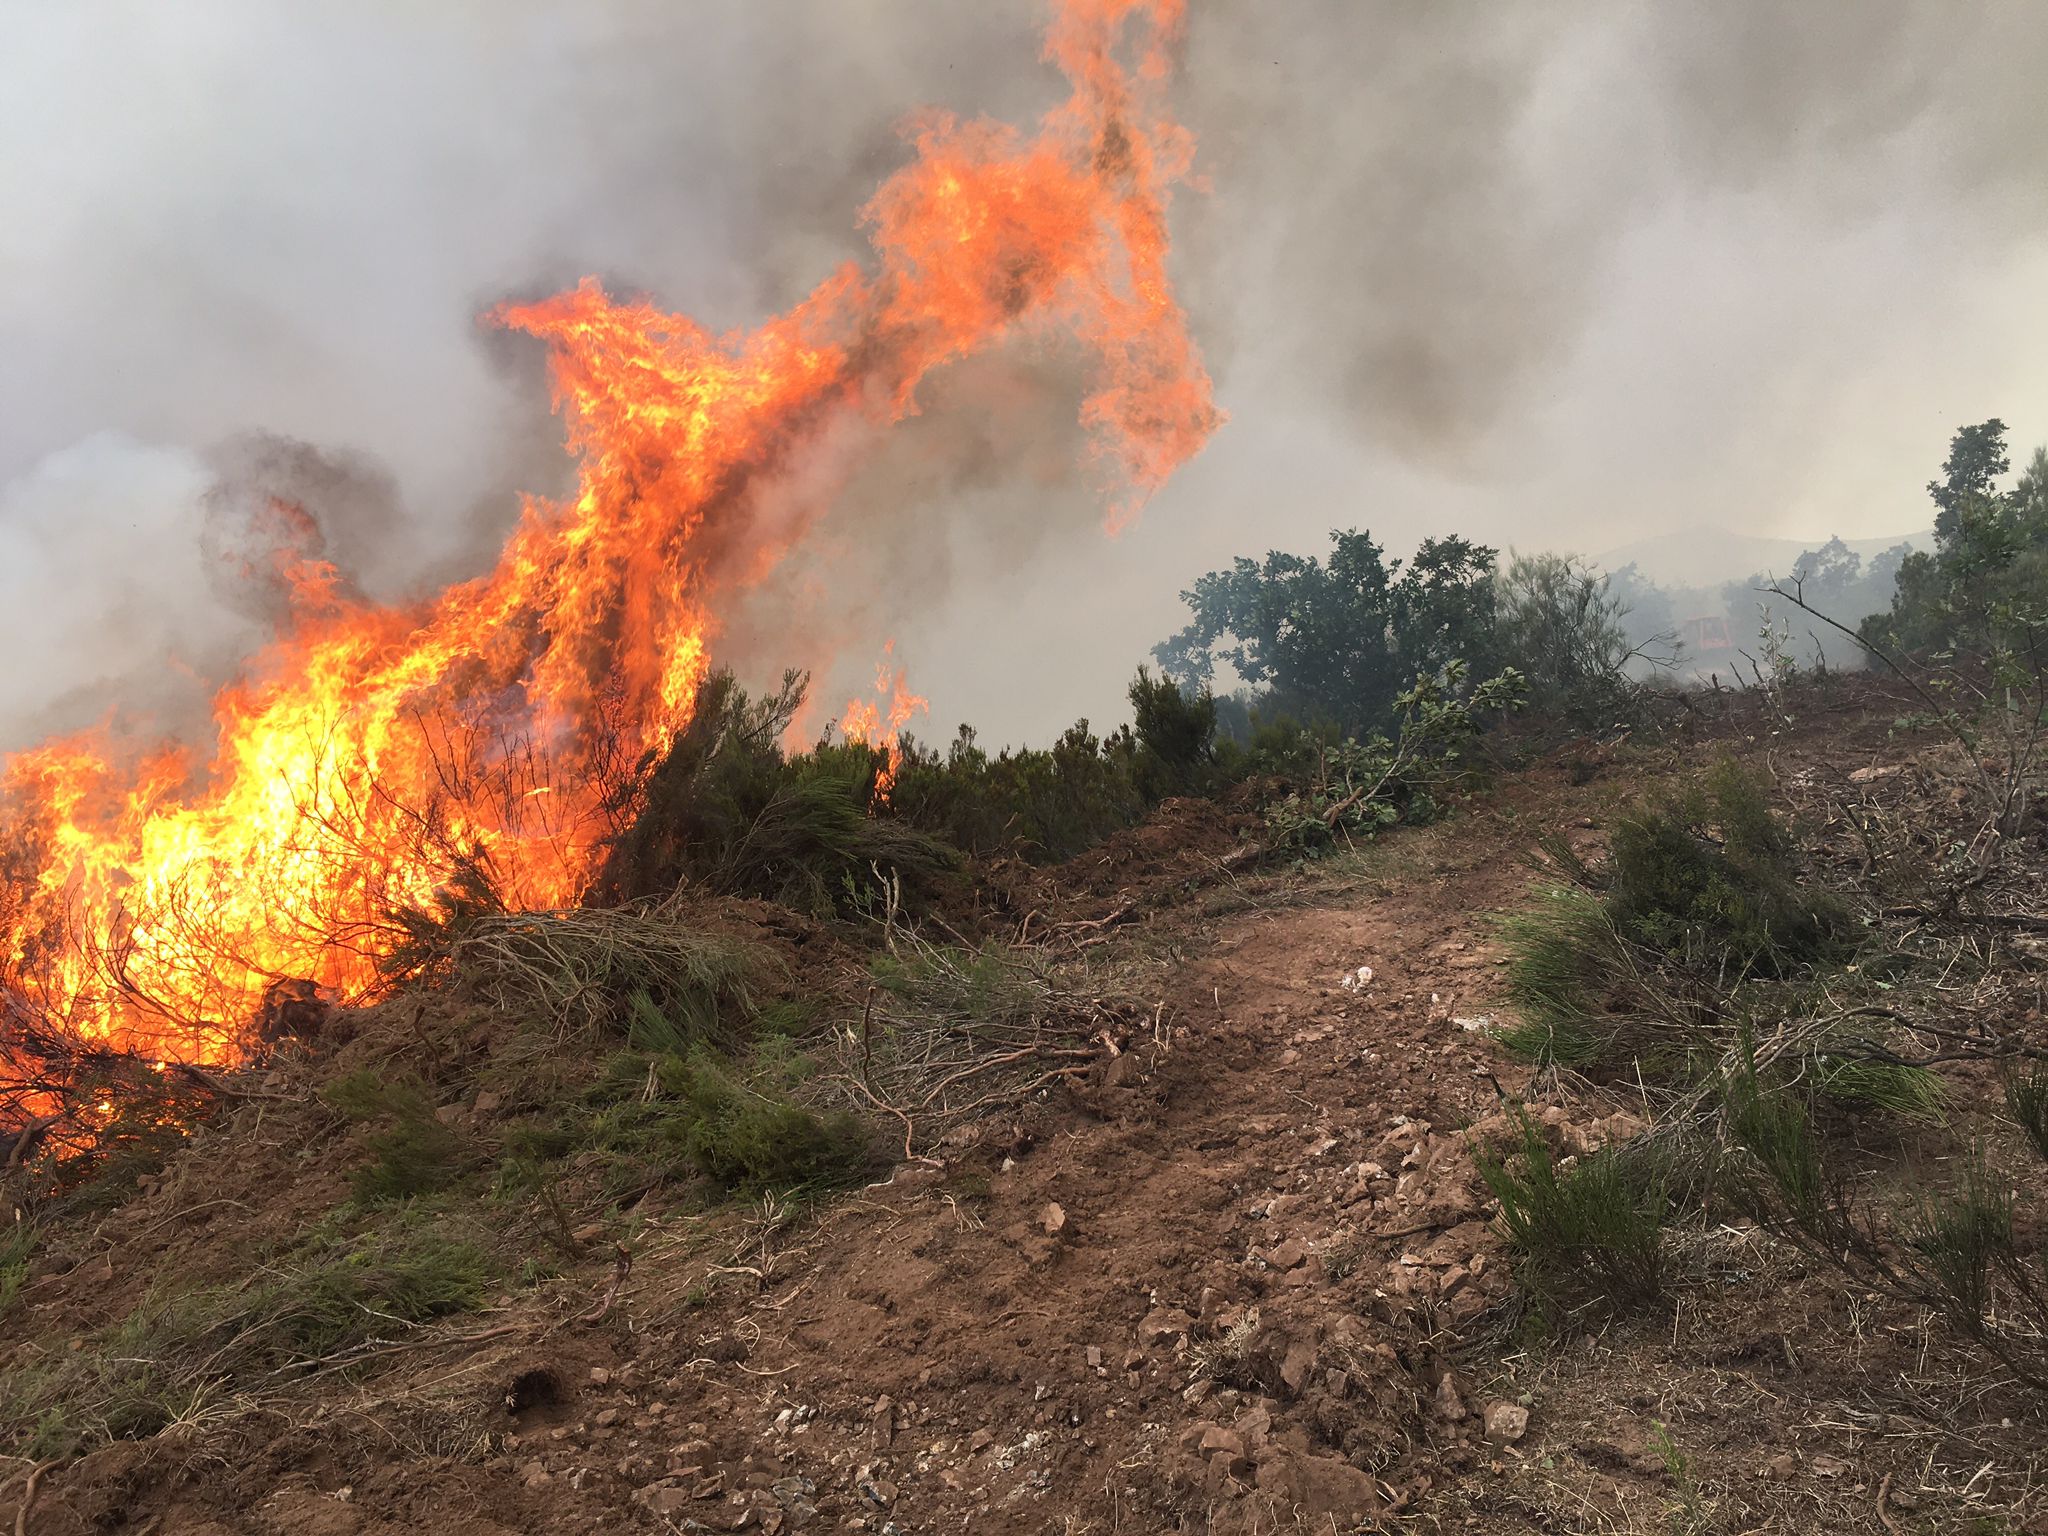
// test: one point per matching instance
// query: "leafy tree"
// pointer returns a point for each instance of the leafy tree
(1340, 641)
(1985, 587)
(1976, 458)
(1561, 622)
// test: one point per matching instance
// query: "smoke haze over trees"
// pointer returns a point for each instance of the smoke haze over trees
(1547, 279)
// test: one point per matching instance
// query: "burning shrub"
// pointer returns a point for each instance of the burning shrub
(727, 809)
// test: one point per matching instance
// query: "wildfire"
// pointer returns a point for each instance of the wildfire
(879, 722)
(368, 752)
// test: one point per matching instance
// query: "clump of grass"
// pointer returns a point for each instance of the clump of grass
(181, 1350)
(1897, 1088)
(749, 1139)
(17, 1247)
(1712, 866)
(2026, 1100)
(584, 969)
(1555, 976)
(414, 1153)
(1590, 1233)
(651, 1119)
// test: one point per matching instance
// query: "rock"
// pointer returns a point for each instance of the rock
(1162, 1323)
(1255, 1425)
(1506, 1422)
(1316, 1487)
(883, 1420)
(980, 1441)
(1218, 1443)
(1291, 1254)
(1053, 1219)
(1093, 1354)
(486, 1103)
(1297, 1363)
(664, 1498)
(1449, 1406)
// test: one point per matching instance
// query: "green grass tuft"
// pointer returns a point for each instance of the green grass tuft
(1590, 1233)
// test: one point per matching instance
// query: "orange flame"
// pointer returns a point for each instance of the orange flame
(879, 722)
(369, 752)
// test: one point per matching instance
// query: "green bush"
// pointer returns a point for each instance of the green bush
(1586, 1234)
(413, 1153)
(747, 1138)
(652, 1118)
(1712, 873)
(727, 809)
(1359, 788)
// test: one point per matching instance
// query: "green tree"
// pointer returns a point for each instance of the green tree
(1339, 641)
(1985, 587)
(1967, 488)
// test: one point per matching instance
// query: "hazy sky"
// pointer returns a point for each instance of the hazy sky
(1546, 274)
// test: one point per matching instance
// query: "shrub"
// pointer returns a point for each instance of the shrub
(726, 808)
(1588, 1233)
(748, 1139)
(1176, 731)
(1047, 805)
(651, 1118)
(1958, 1250)
(2026, 1100)
(1561, 625)
(1360, 788)
(1713, 872)
(414, 1153)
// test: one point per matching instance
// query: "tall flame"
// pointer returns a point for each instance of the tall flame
(368, 751)
(879, 722)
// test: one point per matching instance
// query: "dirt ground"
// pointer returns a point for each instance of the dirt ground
(1241, 1279)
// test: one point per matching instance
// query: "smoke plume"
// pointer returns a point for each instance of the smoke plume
(1544, 274)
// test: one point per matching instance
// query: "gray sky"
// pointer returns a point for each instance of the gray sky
(1554, 275)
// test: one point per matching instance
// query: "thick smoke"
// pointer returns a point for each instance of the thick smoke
(1546, 274)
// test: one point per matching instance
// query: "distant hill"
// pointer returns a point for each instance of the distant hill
(1707, 557)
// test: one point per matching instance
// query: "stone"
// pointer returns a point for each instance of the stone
(1291, 1254)
(1449, 1406)
(665, 1498)
(1162, 1323)
(883, 1419)
(1506, 1422)
(1053, 1219)
(1218, 1443)
(1255, 1424)
(1297, 1363)
(1319, 1487)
